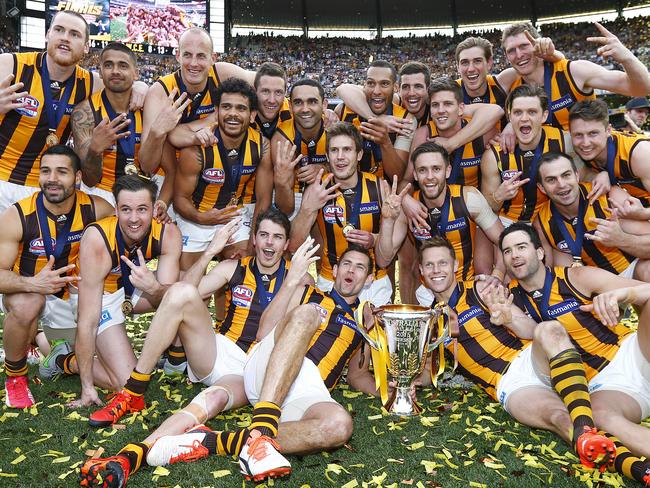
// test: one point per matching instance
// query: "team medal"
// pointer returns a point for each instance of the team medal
(347, 229)
(52, 139)
(234, 201)
(130, 168)
(127, 308)
(577, 262)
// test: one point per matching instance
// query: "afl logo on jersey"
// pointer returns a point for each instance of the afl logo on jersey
(506, 175)
(330, 212)
(242, 296)
(37, 247)
(421, 234)
(31, 106)
(214, 175)
(322, 312)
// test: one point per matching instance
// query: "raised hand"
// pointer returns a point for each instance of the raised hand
(600, 185)
(630, 208)
(107, 132)
(285, 160)
(160, 212)
(398, 125)
(543, 46)
(416, 213)
(218, 216)
(49, 281)
(606, 305)
(301, 260)
(375, 130)
(223, 237)
(498, 303)
(171, 113)
(141, 277)
(608, 231)
(9, 94)
(318, 193)
(392, 206)
(610, 45)
(508, 188)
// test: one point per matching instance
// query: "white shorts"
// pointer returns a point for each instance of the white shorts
(625, 373)
(10, 193)
(196, 237)
(159, 180)
(379, 292)
(106, 195)
(521, 374)
(306, 391)
(629, 271)
(57, 313)
(297, 202)
(112, 309)
(424, 296)
(229, 359)
(507, 222)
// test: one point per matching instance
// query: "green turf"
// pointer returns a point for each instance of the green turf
(462, 439)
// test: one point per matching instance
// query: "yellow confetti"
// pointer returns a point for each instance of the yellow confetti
(477, 485)
(351, 484)
(352, 394)
(221, 473)
(375, 417)
(415, 446)
(63, 459)
(44, 438)
(19, 459)
(8, 475)
(430, 466)
(160, 471)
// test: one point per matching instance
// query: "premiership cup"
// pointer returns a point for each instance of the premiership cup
(411, 332)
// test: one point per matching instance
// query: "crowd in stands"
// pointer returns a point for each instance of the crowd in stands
(335, 60)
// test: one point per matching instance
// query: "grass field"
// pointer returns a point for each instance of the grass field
(462, 439)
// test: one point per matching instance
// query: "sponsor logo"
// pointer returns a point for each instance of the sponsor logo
(421, 234)
(456, 225)
(343, 320)
(330, 212)
(68, 109)
(468, 163)
(105, 317)
(564, 307)
(248, 170)
(322, 311)
(469, 314)
(563, 246)
(205, 110)
(502, 398)
(31, 110)
(117, 270)
(369, 208)
(36, 246)
(242, 296)
(186, 240)
(214, 175)
(561, 103)
(506, 175)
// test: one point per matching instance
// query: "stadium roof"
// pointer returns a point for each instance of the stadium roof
(396, 14)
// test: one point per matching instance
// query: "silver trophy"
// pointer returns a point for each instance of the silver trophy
(411, 332)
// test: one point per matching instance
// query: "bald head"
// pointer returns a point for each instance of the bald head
(195, 35)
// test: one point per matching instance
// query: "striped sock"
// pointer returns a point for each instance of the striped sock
(67, 363)
(628, 464)
(137, 383)
(16, 368)
(136, 454)
(176, 355)
(569, 380)
(266, 416)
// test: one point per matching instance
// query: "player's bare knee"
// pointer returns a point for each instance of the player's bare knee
(181, 293)
(642, 270)
(560, 419)
(337, 427)
(25, 307)
(304, 315)
(552, 336)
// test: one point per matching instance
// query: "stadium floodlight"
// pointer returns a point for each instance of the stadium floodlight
(13, 12)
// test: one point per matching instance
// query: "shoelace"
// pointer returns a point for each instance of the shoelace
(258, 447)
(118, 402)
(197, 451)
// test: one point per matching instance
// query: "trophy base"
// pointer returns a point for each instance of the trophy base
(400, 403)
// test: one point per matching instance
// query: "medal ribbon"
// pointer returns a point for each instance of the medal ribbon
(311, 151)
(531, 186)
(43, 224)
(196, 99)
(441, 225)
(548, 80)
(543, 305)
(456, 167)
(352, 214)
(232, 174)
(467, 100)
(55, 110)
(575, 245)
(127, 144)
(611, 156)
(266, 296)
(133, 256)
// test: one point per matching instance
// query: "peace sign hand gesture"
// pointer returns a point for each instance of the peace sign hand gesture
(392, 207)
(141, 277)
(610, 45)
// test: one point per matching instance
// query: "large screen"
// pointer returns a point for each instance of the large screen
(144, 25)
(96, 13)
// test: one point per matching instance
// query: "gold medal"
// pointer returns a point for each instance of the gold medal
(52, 139)
(127, 308)
(577, 262)
(130, 169)
(347, 229)
(234, 201)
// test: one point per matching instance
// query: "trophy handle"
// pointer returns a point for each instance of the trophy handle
(359, 318)
(443, 327)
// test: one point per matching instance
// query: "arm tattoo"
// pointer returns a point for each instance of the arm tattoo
(83, 123)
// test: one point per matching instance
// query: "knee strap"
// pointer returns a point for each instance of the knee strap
(201, 400)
